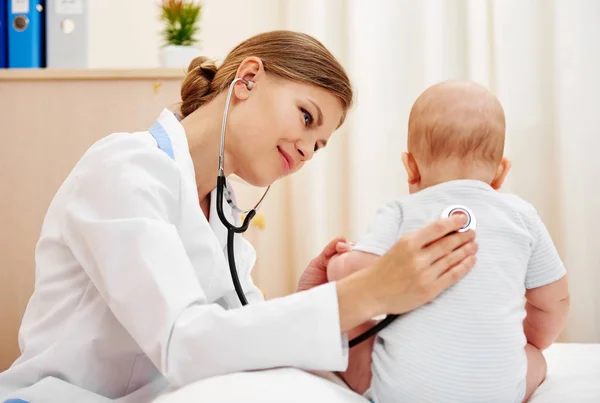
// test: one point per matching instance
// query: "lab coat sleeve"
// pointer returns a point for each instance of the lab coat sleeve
(118, 225)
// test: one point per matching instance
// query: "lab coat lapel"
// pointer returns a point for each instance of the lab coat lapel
(215, 223)
(217, 280)
(208, 265)
(180, 145)
(182, 158)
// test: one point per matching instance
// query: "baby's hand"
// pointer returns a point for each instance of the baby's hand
(343, 247)
(335, 268)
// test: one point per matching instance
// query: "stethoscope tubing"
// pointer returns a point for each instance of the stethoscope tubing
(232, 229)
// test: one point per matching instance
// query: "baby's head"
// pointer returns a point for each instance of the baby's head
(455, 131)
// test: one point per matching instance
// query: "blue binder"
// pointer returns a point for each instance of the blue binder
(26, 33)
(3, 35)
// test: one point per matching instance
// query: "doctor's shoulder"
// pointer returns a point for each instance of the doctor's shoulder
(124, 168)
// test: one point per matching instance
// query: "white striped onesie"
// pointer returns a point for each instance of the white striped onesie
(468, 344)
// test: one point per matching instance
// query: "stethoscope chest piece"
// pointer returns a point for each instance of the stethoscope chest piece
(451, 210)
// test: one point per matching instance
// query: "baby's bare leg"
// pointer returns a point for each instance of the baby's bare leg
(536, 370)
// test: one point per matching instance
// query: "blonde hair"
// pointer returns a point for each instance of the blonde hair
(286, 54)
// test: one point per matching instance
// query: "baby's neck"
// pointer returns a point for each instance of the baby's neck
(440, 173)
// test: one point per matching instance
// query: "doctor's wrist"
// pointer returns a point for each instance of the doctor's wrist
(358, 301)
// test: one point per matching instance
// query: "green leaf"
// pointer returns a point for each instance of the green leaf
(181, 21)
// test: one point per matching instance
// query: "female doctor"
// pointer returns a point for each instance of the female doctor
(133, 292)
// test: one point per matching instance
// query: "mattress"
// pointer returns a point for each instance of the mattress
(573, 376)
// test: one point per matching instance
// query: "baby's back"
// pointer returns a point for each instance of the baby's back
(468, 344)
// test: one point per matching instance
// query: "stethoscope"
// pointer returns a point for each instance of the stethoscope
(222, 190)
(232, 229)
(163, 141)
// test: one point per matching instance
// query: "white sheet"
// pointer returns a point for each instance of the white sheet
(281, 385)
(573, 376)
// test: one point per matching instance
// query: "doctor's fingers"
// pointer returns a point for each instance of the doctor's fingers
(439, 229)
(449, 262)
(329, 251)
(444, 246)
(453, 275)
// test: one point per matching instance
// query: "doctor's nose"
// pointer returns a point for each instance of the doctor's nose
(305, 151)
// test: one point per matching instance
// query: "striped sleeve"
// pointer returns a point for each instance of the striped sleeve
(545, 265)
(384, 230)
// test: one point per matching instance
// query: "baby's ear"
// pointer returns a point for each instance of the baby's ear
(501, 173)
(414, 176)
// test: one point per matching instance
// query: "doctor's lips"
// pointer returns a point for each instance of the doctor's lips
(287, 160)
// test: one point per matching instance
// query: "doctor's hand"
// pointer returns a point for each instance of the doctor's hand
(316, 272)
(413, 272)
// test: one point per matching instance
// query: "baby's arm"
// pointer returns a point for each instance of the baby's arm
(547, 308)
(383, 233)
(547, 292)
(345, 264)
(547, 302)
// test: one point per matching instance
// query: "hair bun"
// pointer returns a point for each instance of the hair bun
(205, 66)
(197, 85)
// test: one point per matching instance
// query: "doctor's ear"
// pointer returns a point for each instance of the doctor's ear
(252, 70)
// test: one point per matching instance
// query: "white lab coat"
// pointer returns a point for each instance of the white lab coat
(133, 291)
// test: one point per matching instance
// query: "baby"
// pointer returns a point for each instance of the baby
(480, 340)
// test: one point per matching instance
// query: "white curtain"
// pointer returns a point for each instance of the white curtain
(541, 58)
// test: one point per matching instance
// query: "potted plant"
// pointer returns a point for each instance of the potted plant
(179, 34)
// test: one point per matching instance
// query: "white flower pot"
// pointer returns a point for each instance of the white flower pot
(172, 56)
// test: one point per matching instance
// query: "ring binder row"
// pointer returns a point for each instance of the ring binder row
(44, 33)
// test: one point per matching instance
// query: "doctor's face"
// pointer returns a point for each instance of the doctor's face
(279, 127)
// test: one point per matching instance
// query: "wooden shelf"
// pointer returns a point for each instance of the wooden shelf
(89, 74)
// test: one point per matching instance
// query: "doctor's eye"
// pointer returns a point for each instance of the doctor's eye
(308, 118)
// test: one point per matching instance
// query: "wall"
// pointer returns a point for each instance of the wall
(126, 33)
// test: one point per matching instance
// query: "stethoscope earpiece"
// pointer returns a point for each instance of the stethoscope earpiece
(471, 223)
